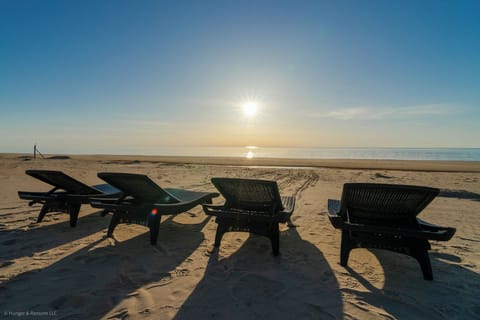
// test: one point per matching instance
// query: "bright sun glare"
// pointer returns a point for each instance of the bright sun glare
(249, 108)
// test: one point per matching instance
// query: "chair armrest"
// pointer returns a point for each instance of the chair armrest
(41, 196)
(288, 203)
(212, 210)
(124, 203)
(438, 234)
(222, 213)
(445, 232)
(172, 208)
(334, 213)
(106, 200)
(102, 204)
(87, 198)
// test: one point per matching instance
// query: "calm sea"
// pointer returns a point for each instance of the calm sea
(462, 154)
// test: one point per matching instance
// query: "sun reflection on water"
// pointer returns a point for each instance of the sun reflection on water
(250, 154)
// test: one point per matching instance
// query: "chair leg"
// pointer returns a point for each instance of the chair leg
(275, 238)
(221, 229)
(154, 225)
(73, 210)
(113, 223)
(43, 212)
(345, 248)
(421, 254)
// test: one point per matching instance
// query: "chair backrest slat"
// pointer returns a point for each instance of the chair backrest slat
(138, 186)
(382, 203)
(249, 194)
(62, 181)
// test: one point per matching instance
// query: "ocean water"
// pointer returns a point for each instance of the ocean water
(460, 154)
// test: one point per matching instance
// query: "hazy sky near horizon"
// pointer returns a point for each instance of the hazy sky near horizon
(135, 76)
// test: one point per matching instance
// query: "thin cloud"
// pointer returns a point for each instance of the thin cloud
(364, 113)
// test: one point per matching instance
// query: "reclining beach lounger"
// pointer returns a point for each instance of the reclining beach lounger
(251, 205)
(144, 202)
(384, 216)
(67, 194)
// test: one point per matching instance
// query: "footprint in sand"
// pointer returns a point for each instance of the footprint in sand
(122, 314)
(382, 176)
(256, 289)
(6, 263)
(10, 208)
(181, 272)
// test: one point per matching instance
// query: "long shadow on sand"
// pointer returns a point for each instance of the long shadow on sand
(459, 194)
(453, 294)
(18, 243)
(252, 284)
(91, 282)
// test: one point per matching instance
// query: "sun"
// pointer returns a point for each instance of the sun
(250, 108)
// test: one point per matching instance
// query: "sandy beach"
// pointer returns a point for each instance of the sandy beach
(49, 270)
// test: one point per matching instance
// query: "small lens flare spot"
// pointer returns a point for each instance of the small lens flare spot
(154, 211)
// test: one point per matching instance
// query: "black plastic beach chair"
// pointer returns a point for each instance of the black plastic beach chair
(144, 202)
(67, 194)
(251, 205)
(384, 216)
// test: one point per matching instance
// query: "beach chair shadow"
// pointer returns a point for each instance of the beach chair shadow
(299, 284)
(253, 206)
(384, 216)
(459, 194)
(454, 294)
(67, 195)
(91, 282)
(17, 243)
(144, 202)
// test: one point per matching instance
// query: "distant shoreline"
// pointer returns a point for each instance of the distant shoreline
(359, 164)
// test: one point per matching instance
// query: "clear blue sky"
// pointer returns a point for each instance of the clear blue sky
(135, 76)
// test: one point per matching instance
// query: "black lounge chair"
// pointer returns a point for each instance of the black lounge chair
(67, 194)
(384, 216)
(144, 202)
(253, 206)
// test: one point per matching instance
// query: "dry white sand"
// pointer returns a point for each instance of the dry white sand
(55, 271)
